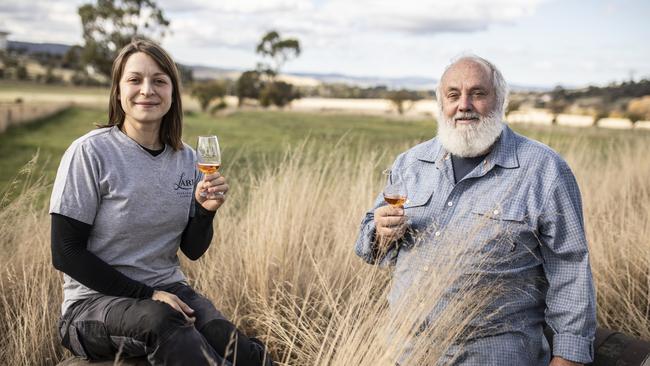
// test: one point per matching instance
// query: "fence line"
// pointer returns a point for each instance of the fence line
(545, 117)
(12, 114)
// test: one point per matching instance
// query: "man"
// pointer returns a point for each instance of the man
(478, 168)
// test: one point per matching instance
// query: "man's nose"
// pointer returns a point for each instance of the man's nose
(465, 103)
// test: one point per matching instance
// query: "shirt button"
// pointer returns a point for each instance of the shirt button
(496, 212)
(450, 203)
(437, 233)
(426, 268)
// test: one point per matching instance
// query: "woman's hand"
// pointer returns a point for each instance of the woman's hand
(211, 191)
(176, 303)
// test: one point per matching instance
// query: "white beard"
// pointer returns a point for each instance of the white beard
(472, 140)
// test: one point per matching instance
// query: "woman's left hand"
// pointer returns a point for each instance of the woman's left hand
(211, 191)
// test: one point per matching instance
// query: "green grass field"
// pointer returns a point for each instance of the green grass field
(260, 137)
(253, 137)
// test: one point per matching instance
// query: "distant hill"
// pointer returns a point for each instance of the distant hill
(309, 78)
(32, 48)
(202, 72)
(408, 82)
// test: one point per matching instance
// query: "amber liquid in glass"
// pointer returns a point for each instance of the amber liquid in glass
(209, 168)
(395, 200)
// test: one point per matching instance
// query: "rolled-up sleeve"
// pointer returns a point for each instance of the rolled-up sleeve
(365, 246)
(570, 300)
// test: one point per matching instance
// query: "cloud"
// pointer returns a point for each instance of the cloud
(42, 21)
(240, 23)
(430, 17)
(337, 35)
(248, 7)
(333, 23)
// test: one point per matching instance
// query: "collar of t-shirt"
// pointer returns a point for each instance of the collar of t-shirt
(463, 166)
(154, 152)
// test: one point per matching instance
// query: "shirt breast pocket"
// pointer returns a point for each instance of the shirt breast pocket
(418, 211)
(502, 231)
(418, 215)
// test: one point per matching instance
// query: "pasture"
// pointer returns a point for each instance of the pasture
(281, 263)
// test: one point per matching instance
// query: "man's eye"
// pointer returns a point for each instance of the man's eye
(452, 96)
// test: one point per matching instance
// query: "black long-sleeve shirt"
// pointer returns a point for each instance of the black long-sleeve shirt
(71, 256)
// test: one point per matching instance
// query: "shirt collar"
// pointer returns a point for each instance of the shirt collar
(431, 151)
(503, 154)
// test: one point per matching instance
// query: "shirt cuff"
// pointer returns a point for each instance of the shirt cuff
(573, 348)
(364, 246)
(202, 211)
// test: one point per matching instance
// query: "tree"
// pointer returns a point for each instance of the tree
(399, 97)
(50, 78)
(558, 102)
(248, 85)
(207, 92)
(72, 58)
(186, 73)
(279, 50)
(110, 25)
(639, 109)
(513, 105)
(21, 72)
(278, 93)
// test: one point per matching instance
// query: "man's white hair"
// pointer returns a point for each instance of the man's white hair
(501, 88)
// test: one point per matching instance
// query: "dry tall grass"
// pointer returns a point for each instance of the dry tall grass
(282, 263)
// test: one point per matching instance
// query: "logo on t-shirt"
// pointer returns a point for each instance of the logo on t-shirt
(184, 185)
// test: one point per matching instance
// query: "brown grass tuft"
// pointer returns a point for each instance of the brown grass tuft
(282, 263)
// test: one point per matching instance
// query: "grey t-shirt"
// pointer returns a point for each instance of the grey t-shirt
(138, 205)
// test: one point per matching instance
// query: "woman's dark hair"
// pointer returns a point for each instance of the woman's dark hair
(171, 127)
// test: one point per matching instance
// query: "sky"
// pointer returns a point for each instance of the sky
(541, 43)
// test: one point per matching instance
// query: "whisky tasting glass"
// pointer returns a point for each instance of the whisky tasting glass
(395, 190)
(208, 156)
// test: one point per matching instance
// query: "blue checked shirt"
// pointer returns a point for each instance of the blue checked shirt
(527, 190)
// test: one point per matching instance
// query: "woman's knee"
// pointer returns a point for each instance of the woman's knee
(232, 344)
(158, 320)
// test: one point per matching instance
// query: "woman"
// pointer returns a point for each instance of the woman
(123, 203)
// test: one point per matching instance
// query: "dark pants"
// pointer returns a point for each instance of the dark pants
(100, 327)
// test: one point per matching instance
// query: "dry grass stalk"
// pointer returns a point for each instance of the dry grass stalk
(282, 264)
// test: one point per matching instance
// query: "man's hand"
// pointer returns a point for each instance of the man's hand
(176, 303)
(559, 361)
(390, 225)
(211, 191)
